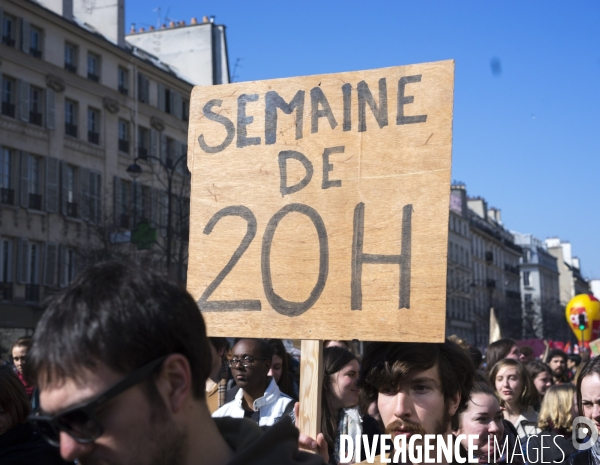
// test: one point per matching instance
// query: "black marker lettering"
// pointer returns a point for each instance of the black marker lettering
(380, 112)
(402, 100)
(358, 257)
(243, 121)
(347, 93)
(228, 305)
(284, 155)
(207, 110)
(273, 102)
(280, 305)
(317, 97)
(327, 167)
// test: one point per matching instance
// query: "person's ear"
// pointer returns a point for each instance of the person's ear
(175, 381)
(453, 403)
(268, 364)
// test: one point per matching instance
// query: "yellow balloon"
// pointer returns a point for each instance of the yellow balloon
(584, 309)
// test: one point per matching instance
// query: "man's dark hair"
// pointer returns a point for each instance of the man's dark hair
(476, 356)
(526, 351)
(219, 343)
(535, 367)
(498, 350)
(556, 353)
(121, 316)
(264, 348)
(386, 363)
(592, 367)
(575, 358)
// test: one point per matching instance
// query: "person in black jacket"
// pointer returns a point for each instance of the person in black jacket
(121, 358)
(19, 443)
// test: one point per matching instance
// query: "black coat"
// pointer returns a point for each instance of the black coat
(24, 446)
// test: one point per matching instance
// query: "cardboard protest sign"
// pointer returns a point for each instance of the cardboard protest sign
(319, 204)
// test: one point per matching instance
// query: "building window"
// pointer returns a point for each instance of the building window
(34, 182)
(70, 118)
(168, 101)
(6, 268)
(185, 110)
(526, 255)
(123, 136)
(123, 81)
(143, 88)
(93, 67)
(36, 106)
(526, 278)
(123, 203)
(95, 195)
(528, 301)
(143, 142)
(71, 58)
(70, 265)
(69, 186)
(7, 191)
(8, 30)
(9, 87)
(93, 126)
(35, 42)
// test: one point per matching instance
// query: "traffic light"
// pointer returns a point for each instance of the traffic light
(581, 322)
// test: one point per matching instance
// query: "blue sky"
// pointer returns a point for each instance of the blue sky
(526, 137)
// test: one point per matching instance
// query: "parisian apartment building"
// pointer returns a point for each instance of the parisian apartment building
(93, 142)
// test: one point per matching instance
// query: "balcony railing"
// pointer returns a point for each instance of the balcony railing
(93, 137)
(35, 118)
(35, 201)
(8, 109)
(71, 210)
(93, 77)
(6, 291)
(71, 129)
(32, 292)
(7, 196)
(124, 90)
(124, 221)
(143, 153)
(123, 146)
(490, 283)
(7, 40)
(71, 68)
(35, 52)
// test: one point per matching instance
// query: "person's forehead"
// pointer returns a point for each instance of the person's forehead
(19, 350)
(431, 374)
(245, 347)
(557, 358)
(68, 392)
(590, 386)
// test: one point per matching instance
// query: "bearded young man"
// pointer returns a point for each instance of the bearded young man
(121, 359)
(419, 388)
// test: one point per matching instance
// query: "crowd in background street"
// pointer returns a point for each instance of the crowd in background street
(119, 370)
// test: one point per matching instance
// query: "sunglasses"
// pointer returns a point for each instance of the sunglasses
(244, 361)
(80, 421)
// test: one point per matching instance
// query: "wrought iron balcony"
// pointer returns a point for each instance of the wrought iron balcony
(93, 77)
(8, 109)
(35, 201)
(35, 118)
(94, 137)
(32, 292)
(71, 129)
(71, 68)
(7, 196)
(124, 90)
(142, 153)
(123, 145)
(71, 210)
(7, 40)
(6, 291)
(35, 52)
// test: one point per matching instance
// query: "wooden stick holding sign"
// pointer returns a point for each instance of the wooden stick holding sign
(319, 209)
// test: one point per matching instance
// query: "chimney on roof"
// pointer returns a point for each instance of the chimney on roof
(171, 24)
(151, 28)
(63, 8)
(164, 26)
(194, 20)
(132, 30)
(106, 16)
(142, 29)
(205, 19)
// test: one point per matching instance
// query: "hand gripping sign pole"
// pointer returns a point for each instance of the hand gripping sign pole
(319, 209)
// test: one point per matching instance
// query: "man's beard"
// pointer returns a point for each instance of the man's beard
(558, 372)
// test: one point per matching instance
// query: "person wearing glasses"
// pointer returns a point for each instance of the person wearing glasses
(19, 442)
(121, 359)
(258, 398)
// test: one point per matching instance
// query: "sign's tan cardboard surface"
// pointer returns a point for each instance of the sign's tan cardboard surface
(319, 206)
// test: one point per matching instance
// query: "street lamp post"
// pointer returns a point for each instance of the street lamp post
(134, 170)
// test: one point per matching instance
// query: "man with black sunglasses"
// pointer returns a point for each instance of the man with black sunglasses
(121, 359)
(258, 397)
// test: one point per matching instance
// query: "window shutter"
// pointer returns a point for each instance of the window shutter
(97, 198)
(116, 212)
(52, 186)
(50, 113)
(23, 100)
(176, 106)
(50, 257)
(86, 183)
(63, 190)
(161, 96)
(62, 275)
(1, 21)
(178, 154)
(164, 211)
(2, 249)
(163, 147)
(24, 184)
(153, 145)
(22, 261)
(155, 207)
(137, 207)
(25, 35)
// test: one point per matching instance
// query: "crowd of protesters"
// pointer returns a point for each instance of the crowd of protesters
(120, 371)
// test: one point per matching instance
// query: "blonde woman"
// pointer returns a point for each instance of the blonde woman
(517, 395)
